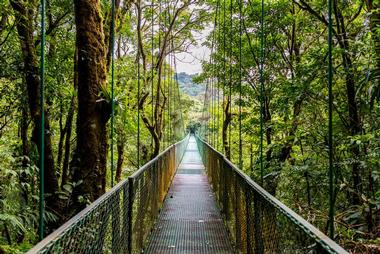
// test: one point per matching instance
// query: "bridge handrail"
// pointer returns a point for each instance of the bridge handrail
(143, 168)
(55, 235)
(326, 243)
(53, 242)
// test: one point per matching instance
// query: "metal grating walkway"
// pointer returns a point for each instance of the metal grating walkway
(190, 221)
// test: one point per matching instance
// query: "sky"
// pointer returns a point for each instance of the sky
(190, 62)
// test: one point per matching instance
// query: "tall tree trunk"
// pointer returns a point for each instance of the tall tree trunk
(373, 8)
(268, 128)
(68, 126)
(93, 110)
(62, 134)
(66, 173)
(120, 158)
(354, 125)
(25, 153)
(226, 123)
(25, 31)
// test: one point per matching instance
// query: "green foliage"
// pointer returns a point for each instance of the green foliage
(295, 113)
(295, 94)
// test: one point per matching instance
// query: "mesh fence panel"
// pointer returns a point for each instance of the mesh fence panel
(258, 222)
(121, 219)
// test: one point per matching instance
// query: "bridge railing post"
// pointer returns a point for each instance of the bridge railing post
(130, 213)
(257, 220)
(115, 223)
(125, 224)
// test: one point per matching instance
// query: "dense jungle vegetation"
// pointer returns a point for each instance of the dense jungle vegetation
(151, 105)
(295, 107)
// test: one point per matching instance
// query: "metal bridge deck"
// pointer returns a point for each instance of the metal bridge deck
(190, 221)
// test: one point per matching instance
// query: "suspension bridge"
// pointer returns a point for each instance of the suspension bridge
(189, 199)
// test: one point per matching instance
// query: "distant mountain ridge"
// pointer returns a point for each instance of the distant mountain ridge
(187, 85)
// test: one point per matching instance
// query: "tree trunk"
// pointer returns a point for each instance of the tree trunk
(25, 153)
(268, 128)
(120, 159)
(374, 18)
(66, 173)
(226, 123)
(62, 134)
(354, 125)
(25, 32)
(93, 110)
(68, 126)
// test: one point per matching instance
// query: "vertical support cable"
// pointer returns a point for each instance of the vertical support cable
(179, 95)
(152, 68)
(262, 54)
(217, 74)
(138, 111)
(164, 73)
(331, 98)
(138, 99)
(171, 77)
(170, 81)
(112, 87)
(169, 103)
(205, 106)
(224, 68)
(230, 83)
(240, 81)
(213, 72)
(218, 106)
(41, 228)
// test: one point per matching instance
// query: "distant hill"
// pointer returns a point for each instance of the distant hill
(187, 85)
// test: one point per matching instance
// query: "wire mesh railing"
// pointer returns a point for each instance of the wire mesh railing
(121, 219)
(257, 221)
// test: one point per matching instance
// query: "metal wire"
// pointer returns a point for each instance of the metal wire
(331, 98)
(240, 83)
(230, 82)
(41, 226)
(120, 220)
(262, 56)
(257, 221)
(112, 87)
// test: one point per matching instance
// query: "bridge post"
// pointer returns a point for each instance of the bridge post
(257, 217)
(239, 216)
(116, 248)
(125, 227)
(130, 213)
(248, 212)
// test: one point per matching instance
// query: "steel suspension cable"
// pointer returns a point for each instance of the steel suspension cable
(164, 75)
(169, 101)
(240, 83)
(154, 120)
(41, 228)
(138, 104)
(210, 80)
(217, 118)
(214, 71)
(224, 72)
(262, 56)
(112, 86)
(330, 127)
(203, 133)
(138, 110)
(169, 79)
(217, 74)
(152, 67)
(230, 81)
(178, 92)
